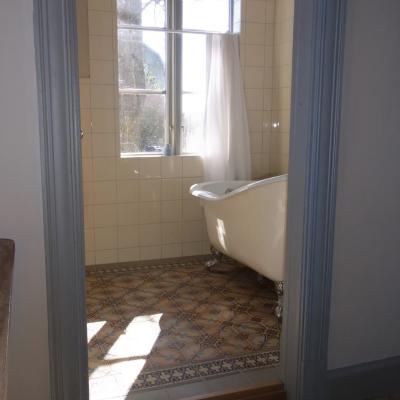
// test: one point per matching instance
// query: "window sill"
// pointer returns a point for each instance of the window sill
(149, 155)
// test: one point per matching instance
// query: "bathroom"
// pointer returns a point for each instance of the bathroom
(143, 227)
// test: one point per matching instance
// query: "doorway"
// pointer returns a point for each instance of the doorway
(66, 219)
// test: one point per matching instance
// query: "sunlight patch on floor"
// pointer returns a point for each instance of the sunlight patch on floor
(138, 338)
(125, 359)
(93, 328)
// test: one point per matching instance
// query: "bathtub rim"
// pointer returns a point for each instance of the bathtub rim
(199, 189)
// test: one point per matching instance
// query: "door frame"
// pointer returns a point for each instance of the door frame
(60, 147)
(315, 115)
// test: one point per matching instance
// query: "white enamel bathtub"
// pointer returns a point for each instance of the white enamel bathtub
(246, 221)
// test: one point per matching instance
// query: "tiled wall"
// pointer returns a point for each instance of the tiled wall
(281, 81)
(139, 208)
(135, 208)
(256, 54)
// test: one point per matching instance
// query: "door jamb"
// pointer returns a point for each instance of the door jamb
(314, 137)
(59, 125)
(317, 67)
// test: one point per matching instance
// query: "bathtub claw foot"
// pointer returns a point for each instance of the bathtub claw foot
(279, 305)
(216, 259)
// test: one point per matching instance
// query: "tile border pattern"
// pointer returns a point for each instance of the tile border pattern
(173, 376)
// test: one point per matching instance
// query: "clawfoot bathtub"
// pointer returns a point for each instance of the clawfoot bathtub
(246, 221)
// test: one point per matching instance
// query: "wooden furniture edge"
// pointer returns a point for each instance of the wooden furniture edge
(7, 250)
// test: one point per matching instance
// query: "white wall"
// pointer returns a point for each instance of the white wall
(21, 201)
(365, 323)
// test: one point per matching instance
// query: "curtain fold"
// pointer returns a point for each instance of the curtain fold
(226, 151)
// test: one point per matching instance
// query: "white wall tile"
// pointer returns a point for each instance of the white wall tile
(84, 95)
(102, 72)
(171, 250)
(86, 123)
(267, 121)
(150, 190)
(269, 35)
(104, 192)
(267, 99)
(101, 48)
(150, 167)
(86, 145)
(128, 168)
(171, 189)
(89, 239)
(90, 258)
(88, 193)
(254, 77)
(255, 11)
(127, 255)
(149, 212)
(255, 33)
(104, 215)
(106, 256)
(100, 23)
(149, 234)
(104, 169)
(254, 99)
(171, 232)
(255, 118)
(128, 214)
(191, 210)
(87, 169)
(103, 145)
(127, 191)
(268, 81)
(192, 231)
(103, 5)
(171, 211)
(171, 167)
(192, 166)
(150, 252)
(102, 96)
(128, 236)
(270, 11)
(255, 55)
(192, 249)
(105, 238)
(88, 216)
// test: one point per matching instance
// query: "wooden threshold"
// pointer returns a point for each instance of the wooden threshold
(274, 391)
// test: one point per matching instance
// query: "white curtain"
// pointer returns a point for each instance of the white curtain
(226, 152)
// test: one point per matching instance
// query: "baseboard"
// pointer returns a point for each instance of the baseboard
(376, 378)
(158, 261)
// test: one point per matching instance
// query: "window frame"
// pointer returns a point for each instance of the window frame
(173, 30)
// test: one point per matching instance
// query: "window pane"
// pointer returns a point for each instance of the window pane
(207, 15)
(142, 123)
(141, 12)
(194, 91)
(141, 59)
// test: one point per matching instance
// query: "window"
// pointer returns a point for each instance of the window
(162, 71)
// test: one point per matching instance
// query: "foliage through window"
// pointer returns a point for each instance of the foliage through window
(162, 71)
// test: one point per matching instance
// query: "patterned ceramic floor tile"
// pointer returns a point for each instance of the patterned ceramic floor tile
(154, 325)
